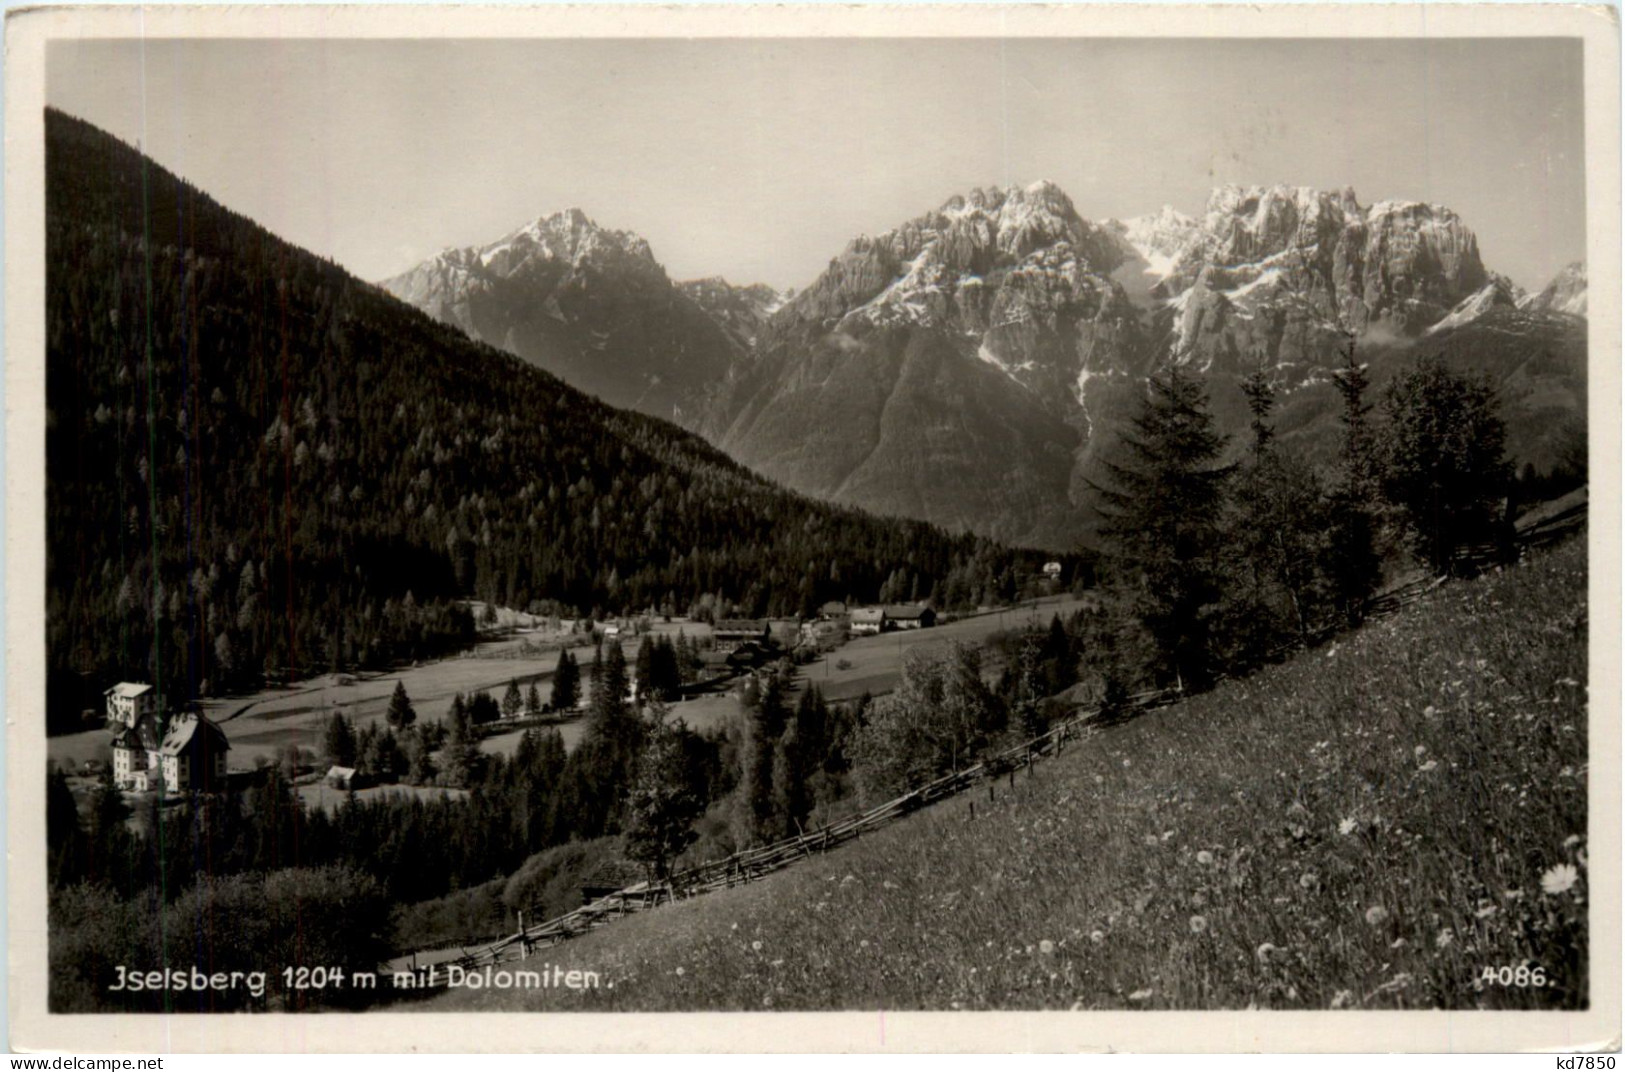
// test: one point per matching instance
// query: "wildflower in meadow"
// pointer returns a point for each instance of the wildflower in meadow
(1046, 947)
(1198, 924)
(1376, 915)
(1429, 765)
(756, 946)
(679, 970)
(1097, 936)
(1141, 995)
(1444, 939)
(1308, 880)
(1342, 999)
(1151, 839)
(1266, 951)
(1559, 879)
(1347, 827)
(1487, 911)
(1204, 857)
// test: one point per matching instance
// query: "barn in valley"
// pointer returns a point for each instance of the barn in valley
(908, 616)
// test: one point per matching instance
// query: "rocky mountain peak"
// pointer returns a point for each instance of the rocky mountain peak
(1566, 293)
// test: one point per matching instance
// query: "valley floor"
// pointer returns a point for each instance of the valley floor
(1395, 820)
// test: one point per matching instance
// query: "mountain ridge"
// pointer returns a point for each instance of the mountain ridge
(970, 365)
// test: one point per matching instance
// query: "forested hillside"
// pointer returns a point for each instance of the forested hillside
(260, 465)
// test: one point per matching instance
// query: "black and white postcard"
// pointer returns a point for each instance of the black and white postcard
(1019, 527)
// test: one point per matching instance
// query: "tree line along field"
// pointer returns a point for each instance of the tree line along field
(1370, 825)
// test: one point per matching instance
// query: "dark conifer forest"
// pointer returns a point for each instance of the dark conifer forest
(260, 466)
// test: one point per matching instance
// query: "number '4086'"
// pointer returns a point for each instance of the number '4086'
(1521, 976)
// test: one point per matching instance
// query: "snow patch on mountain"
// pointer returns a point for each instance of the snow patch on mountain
(1566, 293)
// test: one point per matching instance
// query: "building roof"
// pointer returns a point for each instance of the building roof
(128, 689)
(904, 611)
(341, 772)
(868, 614)
(183, 731)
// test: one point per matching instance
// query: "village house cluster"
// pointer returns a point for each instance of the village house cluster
(178, 753)
(867, 621)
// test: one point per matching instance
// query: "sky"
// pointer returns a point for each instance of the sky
(758, 160)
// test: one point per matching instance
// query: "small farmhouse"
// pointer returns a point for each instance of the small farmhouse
(342, 778)
(191, 755)
(129, 702)
(868, 620)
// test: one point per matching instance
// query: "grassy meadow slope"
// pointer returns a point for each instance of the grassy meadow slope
(1374, 824)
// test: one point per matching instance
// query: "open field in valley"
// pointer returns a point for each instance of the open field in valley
(1370, 825)
(874, 663)
(318, 794)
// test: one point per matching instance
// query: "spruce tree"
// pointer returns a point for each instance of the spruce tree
(401, 714)
(1162, 522)
(512, 702)
(461, 755)
(566, 682)
(340, 741)
(763, 723)
(1277, 542)
(1353, 558)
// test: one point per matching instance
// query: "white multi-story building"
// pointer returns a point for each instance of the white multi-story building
(191, 755)
(129, 702)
